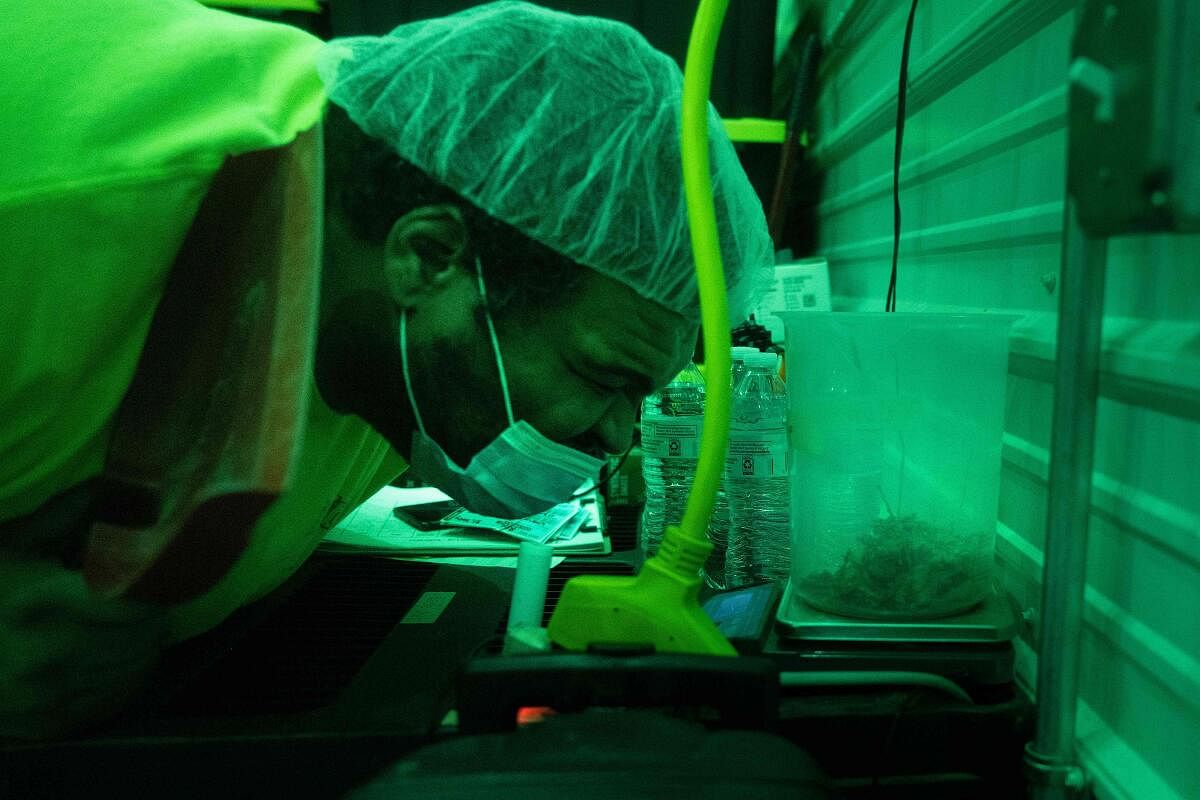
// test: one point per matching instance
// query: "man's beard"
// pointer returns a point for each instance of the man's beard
(357, 364)
(359, 371)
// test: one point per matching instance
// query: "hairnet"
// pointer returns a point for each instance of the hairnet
(566, 128)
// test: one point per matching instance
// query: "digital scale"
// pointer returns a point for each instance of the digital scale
(994, 620)
(973, 649)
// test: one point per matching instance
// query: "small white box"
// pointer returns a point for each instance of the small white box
(799, 286)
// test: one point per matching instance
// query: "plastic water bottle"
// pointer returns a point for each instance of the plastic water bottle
(756, 475)
(671, 423)
(713, 571)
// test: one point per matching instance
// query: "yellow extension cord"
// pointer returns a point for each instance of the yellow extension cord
(659, 606)
(710, 273)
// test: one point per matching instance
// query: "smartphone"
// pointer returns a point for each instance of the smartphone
(426, 516)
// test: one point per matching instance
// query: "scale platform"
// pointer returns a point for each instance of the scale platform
(973, 649)
(993, 621)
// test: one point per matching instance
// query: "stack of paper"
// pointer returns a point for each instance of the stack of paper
(373, 528)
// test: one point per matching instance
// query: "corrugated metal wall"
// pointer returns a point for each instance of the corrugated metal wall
(982, 191)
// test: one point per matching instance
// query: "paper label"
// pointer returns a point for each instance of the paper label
(757, 450)
(671, 437)
(802, 286)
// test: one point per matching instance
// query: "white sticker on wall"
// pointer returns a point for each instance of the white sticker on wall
(799, 286)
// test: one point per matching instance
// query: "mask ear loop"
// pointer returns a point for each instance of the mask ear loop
(412, 399)
(495, 342)
(612, 473)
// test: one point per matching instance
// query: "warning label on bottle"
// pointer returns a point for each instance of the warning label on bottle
(757, 450)
(671, 437)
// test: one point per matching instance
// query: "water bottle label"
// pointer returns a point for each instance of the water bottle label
(671, 437)
(757, 450)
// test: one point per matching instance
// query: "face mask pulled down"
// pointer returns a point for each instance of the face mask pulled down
(518, 474)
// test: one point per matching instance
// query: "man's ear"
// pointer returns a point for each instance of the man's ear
(425, 250)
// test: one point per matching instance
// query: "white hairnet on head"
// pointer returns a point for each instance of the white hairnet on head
(566, 128)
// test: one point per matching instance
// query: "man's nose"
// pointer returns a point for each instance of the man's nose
(614, 430)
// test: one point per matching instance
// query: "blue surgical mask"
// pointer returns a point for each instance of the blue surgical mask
(520, 473)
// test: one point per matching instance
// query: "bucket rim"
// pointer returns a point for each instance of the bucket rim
(1006, 318)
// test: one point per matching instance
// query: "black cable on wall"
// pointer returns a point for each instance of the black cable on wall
(890, 303)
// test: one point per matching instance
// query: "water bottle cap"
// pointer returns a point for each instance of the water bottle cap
(740, 353)
(762, 361)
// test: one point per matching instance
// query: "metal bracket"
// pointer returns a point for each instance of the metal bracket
(1134, 133)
